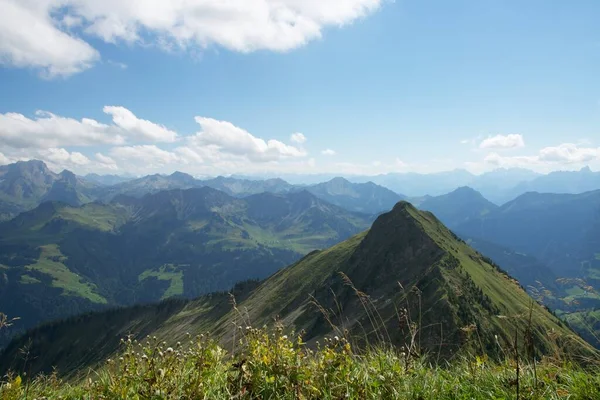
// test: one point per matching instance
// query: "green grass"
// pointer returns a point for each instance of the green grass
(575, 291)
(29, 280)
(51, 262)
(169, 273)
(270, 365)
(95, 216)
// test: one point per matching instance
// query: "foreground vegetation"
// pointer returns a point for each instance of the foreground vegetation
(272, 365)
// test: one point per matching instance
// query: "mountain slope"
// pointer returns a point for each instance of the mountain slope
(57, 260)
(361, 197)
(563, 232)
(413, 269)
(459, 206)
(555, 228)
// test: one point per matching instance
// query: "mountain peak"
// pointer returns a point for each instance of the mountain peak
(403, 205)
(339, 181)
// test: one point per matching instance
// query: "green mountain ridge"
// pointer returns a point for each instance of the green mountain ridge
(413, 269)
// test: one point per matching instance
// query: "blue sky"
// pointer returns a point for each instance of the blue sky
(373, 86)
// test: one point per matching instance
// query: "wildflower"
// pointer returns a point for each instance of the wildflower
(169, 350)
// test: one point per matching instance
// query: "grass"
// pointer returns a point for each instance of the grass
(29, 280)
(271, 365)
(95, 216)
(169, 273)
(51, 262)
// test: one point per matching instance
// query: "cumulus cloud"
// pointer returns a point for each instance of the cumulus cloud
(149, 155)
(29, 38)
(230, 139)
(298, 138)
(328, 152)
(569, 153)
(63, 157)
(503, 142)
(563, 154)
(139, 128)
(50, 45)
(47, 130)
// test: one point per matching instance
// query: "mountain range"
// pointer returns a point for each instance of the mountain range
(73, 244)
(407, 271)
(57, 260)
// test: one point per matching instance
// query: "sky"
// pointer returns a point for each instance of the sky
(300, 86)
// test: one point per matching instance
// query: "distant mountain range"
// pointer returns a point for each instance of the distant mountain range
(25, 185)
(57, 260)
(407, 280)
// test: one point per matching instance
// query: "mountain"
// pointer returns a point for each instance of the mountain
(367, 198)
(558, 229)
(26, 184)
(464, 205)
(407, 271)
(459, 206)
(361, 197)
(107, 180)
(571, 182)
(245, 187)
(414, 185)
(562, 231)
(529, 271)
(58, 260)
(149, 184)
(498, 185)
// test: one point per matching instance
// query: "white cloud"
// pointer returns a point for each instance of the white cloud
(328, 152)
(228, 138)
(563, 154)
(48, 130)
(298, 138)
(105, 160)
(139, 128)
(150, 156)
(503, 142)
(29, 38)
(50, 45)
(63, 157)
(569, 153)
(4, 160)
